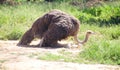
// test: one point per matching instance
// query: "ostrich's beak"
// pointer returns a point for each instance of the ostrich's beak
(93, 33)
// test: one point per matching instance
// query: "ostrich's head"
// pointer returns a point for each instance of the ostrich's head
(89, 32)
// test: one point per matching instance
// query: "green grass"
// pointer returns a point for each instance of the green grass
(2, 61)
(103, 47)
(63, 55)
(105, 52)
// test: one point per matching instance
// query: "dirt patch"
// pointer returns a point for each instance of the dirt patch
(13, 57)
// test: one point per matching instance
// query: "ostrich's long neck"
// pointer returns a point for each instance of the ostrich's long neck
(81, 42)
(85, 40)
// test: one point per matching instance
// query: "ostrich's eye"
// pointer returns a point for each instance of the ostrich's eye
(89, 32)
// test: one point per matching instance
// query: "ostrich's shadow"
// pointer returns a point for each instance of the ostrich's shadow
(37, 46)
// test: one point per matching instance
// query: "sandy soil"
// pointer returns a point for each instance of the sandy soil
(13, 57)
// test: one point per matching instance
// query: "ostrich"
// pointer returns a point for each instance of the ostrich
(52, 27)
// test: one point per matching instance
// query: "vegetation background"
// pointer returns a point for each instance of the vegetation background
(101, 16)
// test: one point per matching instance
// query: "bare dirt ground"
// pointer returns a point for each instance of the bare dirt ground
(13, 57)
